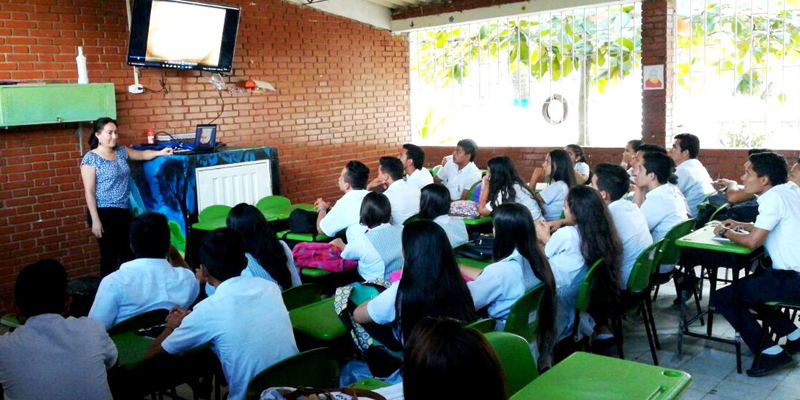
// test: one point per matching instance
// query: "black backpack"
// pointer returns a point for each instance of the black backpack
(479, 247)
(302, 221)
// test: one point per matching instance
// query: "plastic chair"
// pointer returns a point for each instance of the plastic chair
(671, 255)
(12, 321)
(523, 318)
(271, 202)
(313, 368)
(516, 358)
(146, 320)
(215, 212)
(299, 296)
(435, 170)
(584, 297)
(638, 299)
(472, 190)
(719, 210)
(775, 307)
(176, 238)
(483, 325)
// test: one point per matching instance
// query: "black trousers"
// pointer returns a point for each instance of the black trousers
(115, 246)
(751, 293)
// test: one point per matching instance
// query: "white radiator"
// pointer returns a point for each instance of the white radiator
(232, 184)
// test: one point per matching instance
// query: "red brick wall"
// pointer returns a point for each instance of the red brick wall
(658, 21)
(342, 93)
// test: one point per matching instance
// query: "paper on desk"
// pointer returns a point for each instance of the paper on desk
(394, 392)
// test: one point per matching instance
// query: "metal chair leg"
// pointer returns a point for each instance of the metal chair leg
(616, 327)
(652, 322)
(649, 336)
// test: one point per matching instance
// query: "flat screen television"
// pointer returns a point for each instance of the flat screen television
(182, 35)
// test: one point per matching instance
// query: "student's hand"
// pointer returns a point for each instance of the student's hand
(338, 242)
(729, 223)
(724, 183)
(542, 231)
(167, 151)
(320, 205)
(175, 317)
(97, 229)
(198, 273)
(377, 182)
(554, 225)
(444, 160)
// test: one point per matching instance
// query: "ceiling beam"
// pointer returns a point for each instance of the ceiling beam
(368, 12)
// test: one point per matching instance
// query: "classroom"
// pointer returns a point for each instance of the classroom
(575, 199)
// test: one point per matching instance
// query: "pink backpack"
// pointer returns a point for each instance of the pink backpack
(322, 256)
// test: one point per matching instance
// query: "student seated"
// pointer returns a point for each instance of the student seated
(611, 181)
(413, 159)
(582, 170)
(728, 190)
(458, 172)
(589, 236)
(245, 321)
(502, 185)
(148, 282)
(776, 229)
(431, 285)
(52, 357)
(520, 267)
(376, 243)
(344, 214)
(445, 360)
(794, 175)
(403, 196)
(558, 168)
(434, 204)
(628, 155)
(267, 257)
(693, 179)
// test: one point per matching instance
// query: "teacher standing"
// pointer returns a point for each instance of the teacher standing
(106, 175)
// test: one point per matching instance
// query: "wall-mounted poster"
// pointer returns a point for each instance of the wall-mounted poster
(653, 77)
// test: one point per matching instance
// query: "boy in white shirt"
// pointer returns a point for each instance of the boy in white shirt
(776, 228)
(664, 207)
(413, 159)
(345, 213)
(148, 282)
(612, 183)
(693, 179)
(245, 321)
(403, 196)
(458, 172)
(52, 357)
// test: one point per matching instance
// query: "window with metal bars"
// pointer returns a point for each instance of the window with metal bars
(738, 72)
(547, 79)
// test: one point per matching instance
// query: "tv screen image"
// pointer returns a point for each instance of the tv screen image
(183, 35)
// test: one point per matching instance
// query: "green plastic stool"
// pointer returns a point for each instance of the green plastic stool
(519, 317)
(483, 325)
(312, 368)
(302, 295)
(516, 358)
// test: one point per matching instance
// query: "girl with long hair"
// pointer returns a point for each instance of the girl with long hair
(589, 236)
(504, 185)
(431, 285)
(267, 257)
(582, 170)
(557, 166)
(434, 204)
(520, 267)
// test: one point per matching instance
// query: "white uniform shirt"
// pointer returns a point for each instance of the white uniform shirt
(455, 229)
(633, 232)
(564, 253)
(458, 180)
(52, 357)
(663, 208)
(523, 197)
(583, 168)
(252, 262)
(779, 213)
(694, 182)
(501, 284)
(381, 309)
(344, 214)
(248, 328)
(143, 285)
(359, 248)
(420, 178)
(404, 198)
(553, 198)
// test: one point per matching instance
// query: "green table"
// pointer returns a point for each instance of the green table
(591, 377)
(477, 220)
(211, 224)
(701, 249)
(469, 262)
(318, 320)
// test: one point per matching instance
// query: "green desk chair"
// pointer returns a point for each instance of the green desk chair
(212, 217)
(302, 295)
(472, 190)
(314, 273)
(718, 211)
(671, 255)
(435, 170)
(369, 384)
(312, 368)
(638, 296)
(176, 238)
(271, 202)
(516, 358)
(483, 325)
(13, 321)
(523, 318)
(775, 307)
(470, 262)
(318, 321)
(303, 237)
(584, 297)
(145, 320)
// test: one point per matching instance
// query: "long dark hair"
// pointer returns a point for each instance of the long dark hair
(431, 285)
(260, 241)
(503, 177)
(434, 201)
(599, 238)
(444, 359)
(578, 151)
(97, 127)
(561, 168)
(514, 229)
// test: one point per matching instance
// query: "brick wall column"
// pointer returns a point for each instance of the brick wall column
(658, 43)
